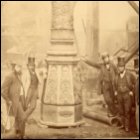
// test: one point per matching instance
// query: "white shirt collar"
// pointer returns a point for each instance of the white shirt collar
(122, 74)
(107, 66)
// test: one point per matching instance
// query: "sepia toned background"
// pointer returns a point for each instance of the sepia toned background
(100, 26)
(30, 22)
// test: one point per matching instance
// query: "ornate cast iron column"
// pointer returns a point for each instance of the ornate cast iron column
(62, 99)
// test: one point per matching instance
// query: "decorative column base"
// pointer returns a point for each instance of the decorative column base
(62, 116)
(62, 99)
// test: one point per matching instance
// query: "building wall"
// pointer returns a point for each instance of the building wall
(113, 22)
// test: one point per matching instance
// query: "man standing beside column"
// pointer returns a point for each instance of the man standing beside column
(125, 82)
(106, 85)
(10, 91)
(30, 83)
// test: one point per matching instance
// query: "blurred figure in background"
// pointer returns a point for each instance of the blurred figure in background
(7, 119)
(136, 90)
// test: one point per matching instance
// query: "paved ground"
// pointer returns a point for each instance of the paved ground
(91, 129)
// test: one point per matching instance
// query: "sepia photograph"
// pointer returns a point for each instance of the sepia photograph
(69, 69)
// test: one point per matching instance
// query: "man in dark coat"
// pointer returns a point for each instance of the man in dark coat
(125, 82)
(10, 91)
(106, 82)
(30, 82)
(136, 90)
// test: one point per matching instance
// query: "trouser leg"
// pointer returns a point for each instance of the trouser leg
(29, 97)
(127, 108)
(112, 105)
(17, 128)
(137, 117)
(21, 120)
(22, 129)
(110, 102)
(31, 107)
(121, 107)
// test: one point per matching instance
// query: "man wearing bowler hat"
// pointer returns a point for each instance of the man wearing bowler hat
(125, 82)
